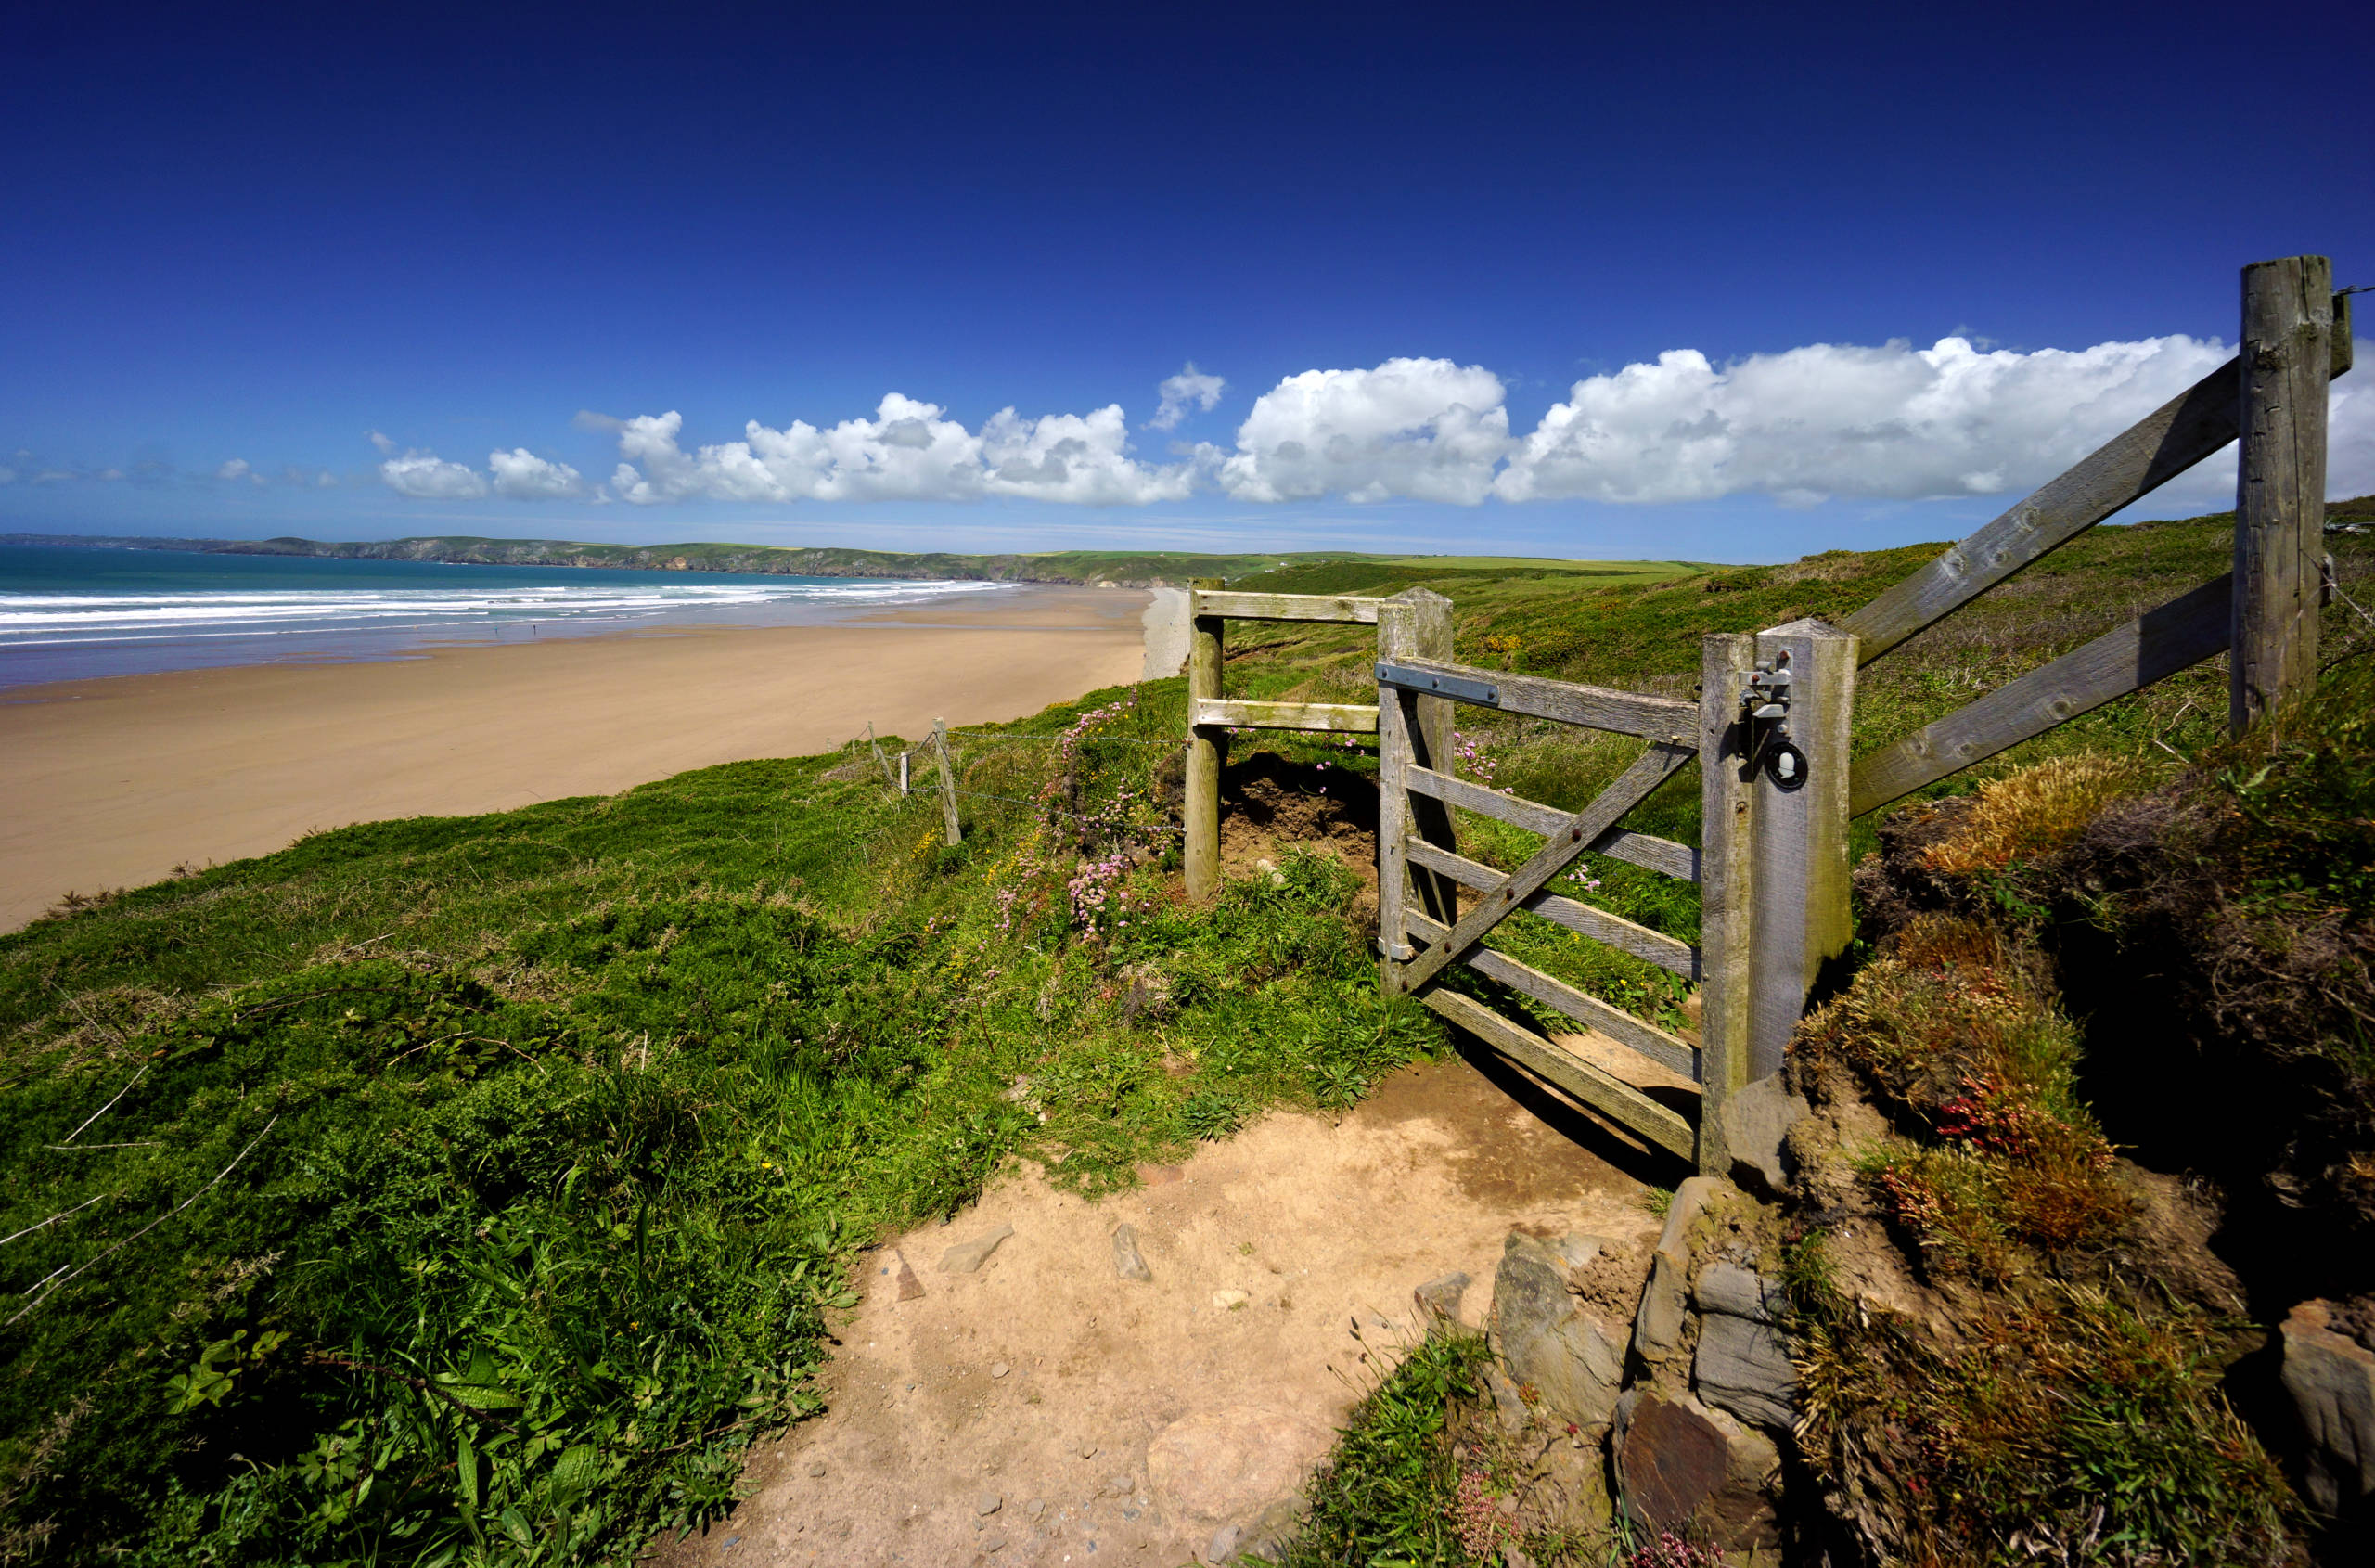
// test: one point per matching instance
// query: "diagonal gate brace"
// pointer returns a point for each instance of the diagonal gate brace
(1654, 768)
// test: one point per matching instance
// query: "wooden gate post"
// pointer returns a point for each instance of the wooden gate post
(1801, 918)
(1207, 750)
(1411, 730)
(2285, 359)
(1726, 895)
(947, 781)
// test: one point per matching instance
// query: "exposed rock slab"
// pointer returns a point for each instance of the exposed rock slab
(1657, 1327)
(1682, 1466)
(1549, 1343)
(1756, 1128)
(2331, 1380)
(1742, 1364)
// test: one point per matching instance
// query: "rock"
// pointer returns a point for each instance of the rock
(2331, 1380)
(1657, 1327)
(1267, 1538)
(1508, 1405)
(1756, 1123)
(999, 1369)
(1742, 1367)
(1681, 1464)
(990, 1504)
(1224, 1543)
(910, 1287)
(1550, 1343)
(816, 1466)
(1229, 1464)
(1035, 1506)
(1229, 1301)
(1579, 1251)
(1742, 1364)
(1438, 1300)
(1128, 1262)
(969, 1256)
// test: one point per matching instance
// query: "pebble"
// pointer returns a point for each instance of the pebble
(996, 1542)
(1088, 1450)
(989, 1503)
(999, 1369)
(817, 1468)
(1035, 1506)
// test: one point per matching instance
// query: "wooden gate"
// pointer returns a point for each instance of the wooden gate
(1422, 928)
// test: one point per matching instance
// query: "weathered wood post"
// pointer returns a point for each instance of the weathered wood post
(947, 781)
(1411, 731)
(902, 773)
(1801, 918)
(1727, 896)
(2285, 359)
(1207, 749)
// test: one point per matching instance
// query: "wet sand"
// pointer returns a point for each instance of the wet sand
(113, 783)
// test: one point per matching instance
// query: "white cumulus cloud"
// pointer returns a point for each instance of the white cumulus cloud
(1828, 419)
(909, 451)
(1421, 428)
(387, 448)
(523, 476)
(1190, 385)
(424, 476)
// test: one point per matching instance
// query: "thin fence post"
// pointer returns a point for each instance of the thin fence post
(1726, 897)
(903, 772)
(2286, 357)
(1801, 919)
(1207, 749)
(1412, 731)
(947, 781)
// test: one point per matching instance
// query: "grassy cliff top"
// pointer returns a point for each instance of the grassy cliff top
(479, 1188)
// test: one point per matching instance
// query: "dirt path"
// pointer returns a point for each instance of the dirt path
(1012, 1414)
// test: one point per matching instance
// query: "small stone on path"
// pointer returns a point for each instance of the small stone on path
(999, 1369)
(1229, 1301)
(910, 1288)
(1127, 1262)
(989, 1504)
(817, 1468)
(968, 1256)
(1035, 1506)
(1088, 1450)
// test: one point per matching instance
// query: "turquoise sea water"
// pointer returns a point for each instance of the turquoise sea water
(69, 613)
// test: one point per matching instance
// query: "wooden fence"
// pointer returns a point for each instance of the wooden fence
(1778, 781)
(1212, 714)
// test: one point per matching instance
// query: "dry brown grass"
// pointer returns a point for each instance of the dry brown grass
(2036, 812)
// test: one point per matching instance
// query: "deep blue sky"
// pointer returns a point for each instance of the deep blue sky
(256, 237)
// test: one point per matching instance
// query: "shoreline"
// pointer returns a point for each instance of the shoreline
(112, 781)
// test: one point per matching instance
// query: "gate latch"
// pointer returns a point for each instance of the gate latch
(1764, 700)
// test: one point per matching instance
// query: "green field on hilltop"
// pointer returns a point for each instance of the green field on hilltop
(477, 1190)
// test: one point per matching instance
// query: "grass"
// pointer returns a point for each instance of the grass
(474, 1190)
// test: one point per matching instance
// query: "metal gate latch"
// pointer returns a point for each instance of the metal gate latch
(1765, 699)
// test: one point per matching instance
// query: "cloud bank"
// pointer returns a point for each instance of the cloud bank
(1891, 422)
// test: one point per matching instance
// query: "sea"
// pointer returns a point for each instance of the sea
(70, 612)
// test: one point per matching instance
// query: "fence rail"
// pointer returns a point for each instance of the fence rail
(1770, 732)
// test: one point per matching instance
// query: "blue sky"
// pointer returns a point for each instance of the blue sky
(1675, 281)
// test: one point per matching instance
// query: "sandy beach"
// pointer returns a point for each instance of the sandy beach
(112, 783)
